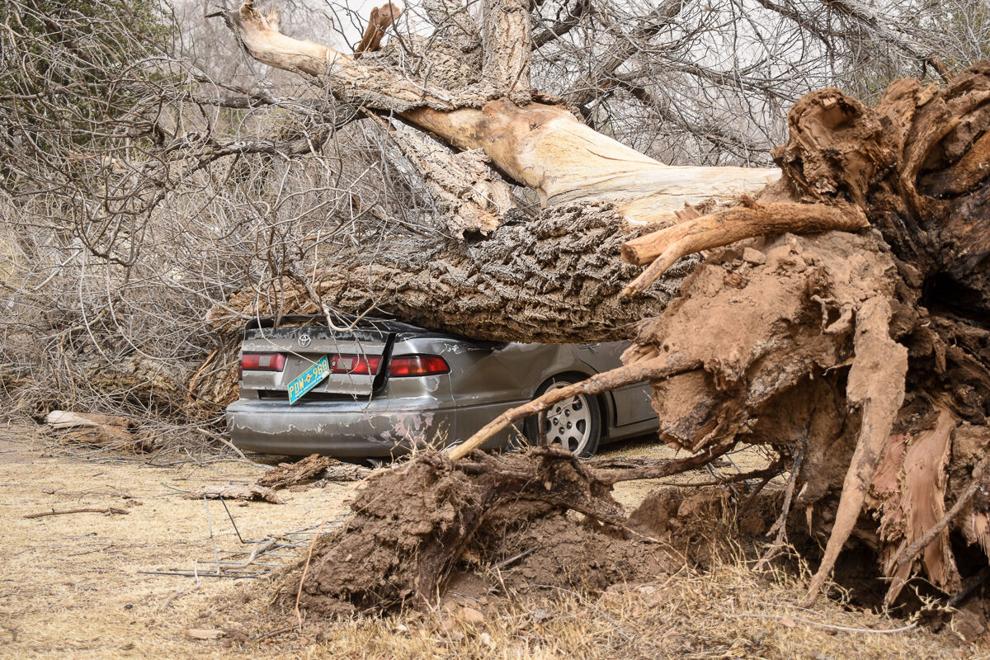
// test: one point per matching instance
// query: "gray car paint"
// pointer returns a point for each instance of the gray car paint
(353, 416)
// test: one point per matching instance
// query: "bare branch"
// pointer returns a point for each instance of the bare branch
(563, 26)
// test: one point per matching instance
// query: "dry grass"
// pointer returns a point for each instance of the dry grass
(70, 585)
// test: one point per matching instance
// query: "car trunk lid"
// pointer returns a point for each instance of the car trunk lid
(357, 355)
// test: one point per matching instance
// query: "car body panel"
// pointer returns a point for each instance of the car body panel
(353, 416)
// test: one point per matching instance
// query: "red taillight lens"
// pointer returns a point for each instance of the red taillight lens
(417, 365)
(262, 361)
(355, 365)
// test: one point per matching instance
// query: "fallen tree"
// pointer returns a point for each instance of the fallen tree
(838, 314)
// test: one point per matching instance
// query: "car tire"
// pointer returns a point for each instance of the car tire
(574, 424)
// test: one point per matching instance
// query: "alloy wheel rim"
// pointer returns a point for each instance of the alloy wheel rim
(568, 422)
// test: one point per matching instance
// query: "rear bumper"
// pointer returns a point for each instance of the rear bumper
(357, 429)
(347, 429)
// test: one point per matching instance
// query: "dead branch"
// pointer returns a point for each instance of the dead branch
(379, 21)
(309, 469)
(661, 469)
(249, 493)
(655, 369)
(110, 510)
(563, 26)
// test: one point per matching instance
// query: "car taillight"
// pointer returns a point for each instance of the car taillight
(355, 365)
(417, 365)
(262, 361)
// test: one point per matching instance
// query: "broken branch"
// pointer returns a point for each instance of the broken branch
(380, 20)
(655, 369)
(110, 510)
(722, 228)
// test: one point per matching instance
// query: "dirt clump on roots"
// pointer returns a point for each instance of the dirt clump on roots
(533, 521)
(556, 553)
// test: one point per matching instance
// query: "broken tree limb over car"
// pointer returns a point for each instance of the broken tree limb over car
(859, 330)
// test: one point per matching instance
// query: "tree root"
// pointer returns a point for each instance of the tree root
(721, 228)
(876, 383)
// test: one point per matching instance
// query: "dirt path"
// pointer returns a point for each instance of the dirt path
(84, 585)
(77, 584)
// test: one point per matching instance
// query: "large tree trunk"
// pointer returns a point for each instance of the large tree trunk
(835, 349)
(554, 278)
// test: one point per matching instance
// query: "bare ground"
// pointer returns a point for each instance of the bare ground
(90, 584)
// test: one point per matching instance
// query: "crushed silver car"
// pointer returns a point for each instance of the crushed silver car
(379, 387)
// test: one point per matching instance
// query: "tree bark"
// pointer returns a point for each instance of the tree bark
(552, 278)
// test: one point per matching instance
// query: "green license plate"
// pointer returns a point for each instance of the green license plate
(308, 379)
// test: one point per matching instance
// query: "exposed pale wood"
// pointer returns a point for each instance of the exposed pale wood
(546, 148)
(379, 21)
(907, 553)
(350, 79)
(540, 146)
(666, 246)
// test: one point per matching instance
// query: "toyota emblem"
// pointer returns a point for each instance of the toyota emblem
(304, 339)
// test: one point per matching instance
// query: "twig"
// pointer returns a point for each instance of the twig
(511, 560)
(302, 578)
(110, 510)
(179, 594)
(232, 523)
(89, 552)
(779, 527)
(273, 633)
(228, 443)
(197, 575)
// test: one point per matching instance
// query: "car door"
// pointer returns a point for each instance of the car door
(632, 403)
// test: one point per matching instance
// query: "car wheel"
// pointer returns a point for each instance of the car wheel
(574, 424)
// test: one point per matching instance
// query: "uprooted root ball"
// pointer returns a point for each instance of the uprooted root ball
(412, 525)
